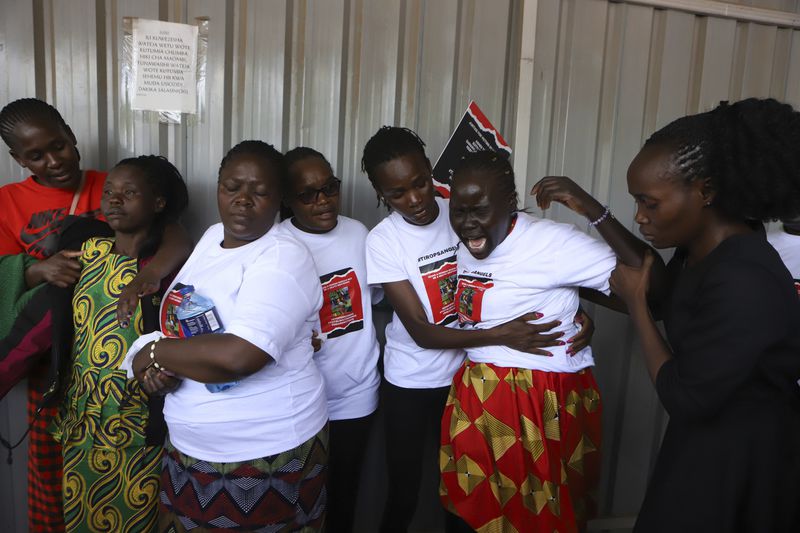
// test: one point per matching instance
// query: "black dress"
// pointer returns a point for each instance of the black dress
(730, 459)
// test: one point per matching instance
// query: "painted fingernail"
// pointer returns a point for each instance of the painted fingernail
(538, 315)
(561, 343)
(123, 324)
(570, 340)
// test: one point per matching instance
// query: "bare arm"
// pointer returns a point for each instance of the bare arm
(216, 358)
(628, 248)
(517, 334)
(176, 246)
(630, 283)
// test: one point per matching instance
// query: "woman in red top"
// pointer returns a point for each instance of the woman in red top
(33, 210)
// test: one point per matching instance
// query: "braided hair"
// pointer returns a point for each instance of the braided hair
(495, 167)
(27, 110)
(389, 142)
(264, 151)
(165, 181)
(750, 152)
(301, 153)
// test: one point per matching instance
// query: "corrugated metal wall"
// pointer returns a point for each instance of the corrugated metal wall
(328, 73)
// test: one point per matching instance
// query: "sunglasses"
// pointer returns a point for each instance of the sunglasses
(331, 189)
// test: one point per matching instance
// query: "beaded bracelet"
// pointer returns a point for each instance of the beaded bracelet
(605, 215)
(153, 361)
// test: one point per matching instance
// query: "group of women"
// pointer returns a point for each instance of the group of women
(486, 353)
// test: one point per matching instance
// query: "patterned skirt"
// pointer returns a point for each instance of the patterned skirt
(282, 492)
(107, 489)
(45, 513)
(521, 449)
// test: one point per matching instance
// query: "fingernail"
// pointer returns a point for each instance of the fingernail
(538, 315)
(123, 324)
(570, 340)
(561, 343)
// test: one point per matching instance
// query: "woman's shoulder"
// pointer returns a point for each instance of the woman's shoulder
(352, 226)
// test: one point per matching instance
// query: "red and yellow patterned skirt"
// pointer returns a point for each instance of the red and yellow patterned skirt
(521, 449)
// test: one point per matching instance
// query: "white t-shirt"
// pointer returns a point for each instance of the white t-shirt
(788, 247)
(425, 256)
(538, 267)
(348, 358)
(267, 293)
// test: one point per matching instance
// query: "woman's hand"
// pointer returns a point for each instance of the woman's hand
(583, 338)
(631, 283)
(61, 269)
(521, 335)
(143, 284)
(316, 342)
(153, 382)
(158, 383)
(563, 190)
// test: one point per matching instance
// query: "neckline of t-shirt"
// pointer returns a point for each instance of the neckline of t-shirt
(229, 251)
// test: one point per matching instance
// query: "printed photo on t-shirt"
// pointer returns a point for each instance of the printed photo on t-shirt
(469, 295)
(341, 311)
(439, 278)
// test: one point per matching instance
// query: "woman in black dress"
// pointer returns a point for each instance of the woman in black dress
(728, 371)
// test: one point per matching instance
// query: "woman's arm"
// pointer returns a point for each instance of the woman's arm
(517, 334)
(628, 248)
(216, 358)
(631, 283)
(176, 246)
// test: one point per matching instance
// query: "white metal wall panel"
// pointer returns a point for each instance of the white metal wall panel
(327, 74)
(17, 64)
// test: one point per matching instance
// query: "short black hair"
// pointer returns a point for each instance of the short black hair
(264, 151)
(302, 153)
(495, 166)
(389, 142)
(166, 181)
(26, 110)
(750, 152)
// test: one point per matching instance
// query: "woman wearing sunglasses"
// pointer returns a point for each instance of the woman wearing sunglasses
(349, 354)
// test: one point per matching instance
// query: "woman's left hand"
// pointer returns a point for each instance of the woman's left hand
(563, 190)
(583, 338)
(158, 383)
(631, 283)
(143, 284)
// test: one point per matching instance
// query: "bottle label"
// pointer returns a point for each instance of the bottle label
(201, 323)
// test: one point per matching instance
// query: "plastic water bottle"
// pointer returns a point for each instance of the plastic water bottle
(198, 315)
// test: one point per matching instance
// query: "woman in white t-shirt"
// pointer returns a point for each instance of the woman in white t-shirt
(520, 434)
(412, 255)
(786, 242)
(253, 456)
(348, 357)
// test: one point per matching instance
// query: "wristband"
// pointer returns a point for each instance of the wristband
(153, 361)
(606, 214)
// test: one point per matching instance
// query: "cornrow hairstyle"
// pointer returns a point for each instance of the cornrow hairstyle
(389, 142)
(26, 110)
(302, 153)
(750, 152)
(495, 167)
(166, 181)
(264, 151)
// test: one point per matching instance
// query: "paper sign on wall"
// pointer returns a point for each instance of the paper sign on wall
(164, 66)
